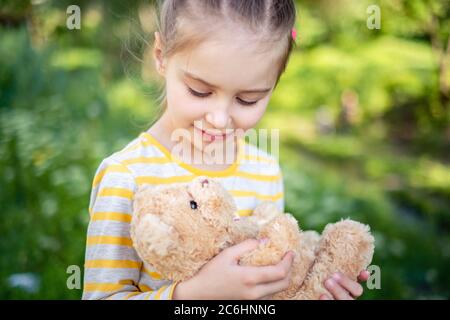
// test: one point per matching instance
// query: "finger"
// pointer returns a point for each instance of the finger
(236, 251)
(267, 274)
(325, 297)
(336, 290)
(364, 275)
(353, 287)
(271, 288)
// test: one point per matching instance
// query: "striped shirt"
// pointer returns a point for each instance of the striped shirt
(113, 270)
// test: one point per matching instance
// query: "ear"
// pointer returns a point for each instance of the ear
(158, 54)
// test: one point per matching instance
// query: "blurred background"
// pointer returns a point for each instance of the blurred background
(363, 115)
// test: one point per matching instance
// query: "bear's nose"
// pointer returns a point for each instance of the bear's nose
(205, 183)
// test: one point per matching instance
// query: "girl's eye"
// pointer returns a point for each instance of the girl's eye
(246, 103)
(198, 94)
(204, 95)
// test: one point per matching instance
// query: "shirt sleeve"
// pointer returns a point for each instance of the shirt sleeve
(112, 267)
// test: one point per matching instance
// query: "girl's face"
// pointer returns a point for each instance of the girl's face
(218, 87)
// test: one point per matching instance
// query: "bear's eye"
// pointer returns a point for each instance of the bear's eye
(193, 204)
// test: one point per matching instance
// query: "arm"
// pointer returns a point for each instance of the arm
(112, 266)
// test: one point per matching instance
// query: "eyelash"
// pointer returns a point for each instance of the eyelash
(205, 95)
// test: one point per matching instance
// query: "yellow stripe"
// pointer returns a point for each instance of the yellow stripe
(152, 274)
(116, 216)
(112, 264)
(245, 212)
(109, 169)
(104, 287)
(159, 292)
(131, 294)
(172, 290)
(259, 177)
(144, 288)
(116, 192)
(120, 241)
(128, 282)
(164, 180)
(138, 160)
(240, 193)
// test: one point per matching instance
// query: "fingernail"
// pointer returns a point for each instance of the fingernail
(264, 240)
(337, 276)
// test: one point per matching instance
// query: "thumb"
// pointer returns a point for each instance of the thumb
(238, 250)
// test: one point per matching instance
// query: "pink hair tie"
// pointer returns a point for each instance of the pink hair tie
(294, 34)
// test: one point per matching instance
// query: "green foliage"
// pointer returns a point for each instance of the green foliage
(56, 123)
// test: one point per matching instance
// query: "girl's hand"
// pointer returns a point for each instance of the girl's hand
(343, 288)
(223, 278)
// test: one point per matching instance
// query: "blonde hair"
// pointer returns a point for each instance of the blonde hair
(178, 22)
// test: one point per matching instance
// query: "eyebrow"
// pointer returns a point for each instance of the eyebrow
(190, 75)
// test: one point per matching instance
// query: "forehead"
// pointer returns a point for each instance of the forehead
(232, 62)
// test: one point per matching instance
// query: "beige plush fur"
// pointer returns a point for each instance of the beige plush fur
(177, 237)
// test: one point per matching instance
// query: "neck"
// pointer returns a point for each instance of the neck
(162, 130)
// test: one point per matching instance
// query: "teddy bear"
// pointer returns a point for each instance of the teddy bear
(178, 228)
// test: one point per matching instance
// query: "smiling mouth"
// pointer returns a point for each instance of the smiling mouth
(214, 136)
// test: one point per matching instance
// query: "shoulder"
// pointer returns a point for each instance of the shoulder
(139, 148)
(136, 153)
(141, 161)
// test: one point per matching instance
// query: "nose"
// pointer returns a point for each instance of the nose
(219, 119)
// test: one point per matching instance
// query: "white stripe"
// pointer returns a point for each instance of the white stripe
(109, 228)
(110, 252)
(110, 275)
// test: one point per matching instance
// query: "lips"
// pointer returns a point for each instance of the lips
(213, 135)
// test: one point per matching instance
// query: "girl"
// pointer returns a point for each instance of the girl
(221, 61)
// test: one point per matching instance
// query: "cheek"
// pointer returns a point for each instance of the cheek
(183, 109)
(248, 117)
